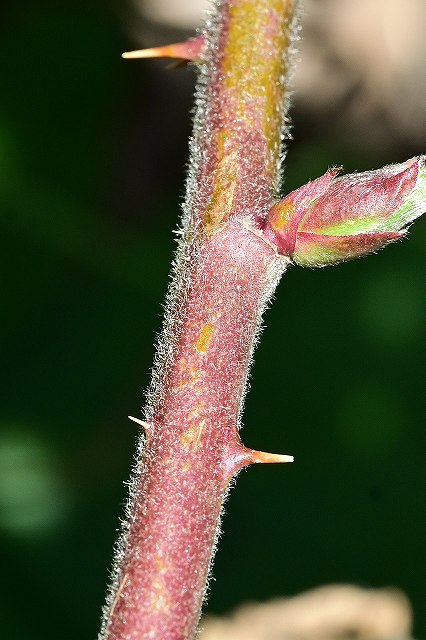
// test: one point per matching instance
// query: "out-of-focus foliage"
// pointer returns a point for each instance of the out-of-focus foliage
(92, 154)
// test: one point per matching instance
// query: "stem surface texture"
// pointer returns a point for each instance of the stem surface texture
(225, 273)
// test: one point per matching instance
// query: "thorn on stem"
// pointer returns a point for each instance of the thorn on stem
(240, 456)
(190, 50)
(145, 425)
(262, 456)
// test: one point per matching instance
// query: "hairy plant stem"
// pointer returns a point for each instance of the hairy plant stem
(224, 275)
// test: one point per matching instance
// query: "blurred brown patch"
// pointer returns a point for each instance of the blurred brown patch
(361, 64)
(336, 612)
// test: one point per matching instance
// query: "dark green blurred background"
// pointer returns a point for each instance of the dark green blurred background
(92, 156)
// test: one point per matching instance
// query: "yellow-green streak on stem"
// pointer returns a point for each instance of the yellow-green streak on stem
(254, 65)
(249, 107)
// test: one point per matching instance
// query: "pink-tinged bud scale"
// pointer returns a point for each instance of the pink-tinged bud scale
(333, 219)
(284, 218)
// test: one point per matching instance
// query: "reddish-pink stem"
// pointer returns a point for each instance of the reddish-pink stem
(228, 263)
(193, 447)
(225, 273)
